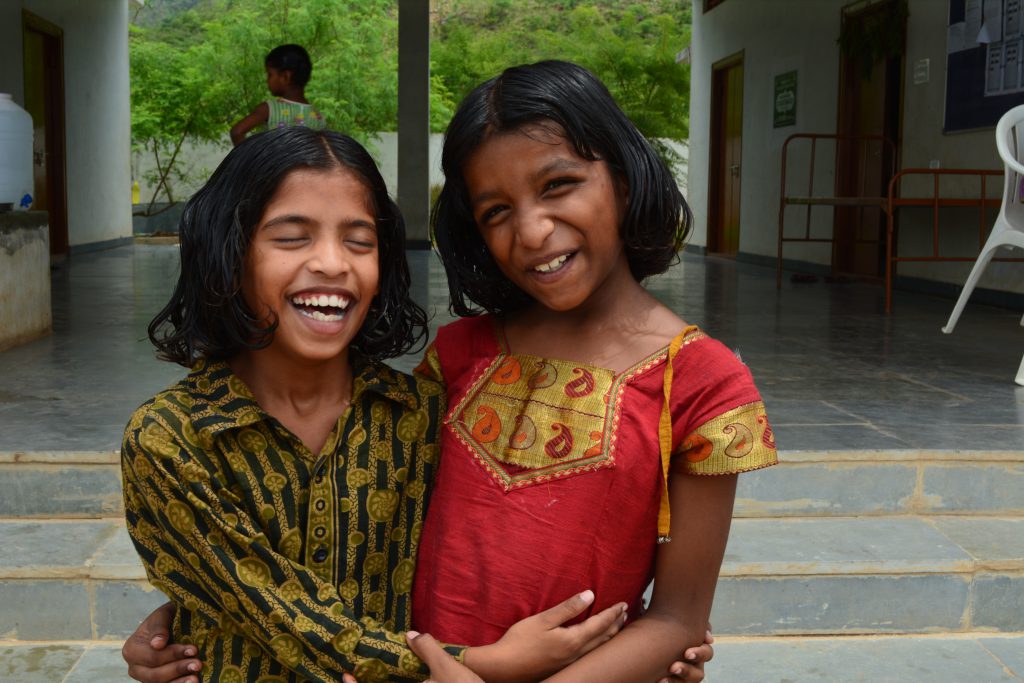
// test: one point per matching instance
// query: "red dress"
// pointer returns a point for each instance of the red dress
(551, 477)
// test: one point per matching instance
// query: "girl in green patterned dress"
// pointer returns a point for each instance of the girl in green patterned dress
(288, 71)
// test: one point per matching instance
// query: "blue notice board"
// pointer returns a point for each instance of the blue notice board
(984, 62)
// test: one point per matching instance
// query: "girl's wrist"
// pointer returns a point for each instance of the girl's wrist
(488, 662)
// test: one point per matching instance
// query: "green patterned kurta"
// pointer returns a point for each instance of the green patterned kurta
(266, 548)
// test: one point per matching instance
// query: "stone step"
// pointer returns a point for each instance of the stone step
(805, 484)
(872, 575)
(81, 579)
(847, 483)
(60, 484)
(62, 662)
(977, 657)
(70, 580)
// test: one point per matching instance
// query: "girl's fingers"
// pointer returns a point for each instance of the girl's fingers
(158, 625)
(608, 620)
(443, 666)
(181, 671)
(701, 653)
(683, 672)
(613, 628)
(566, 610)
(427, 649)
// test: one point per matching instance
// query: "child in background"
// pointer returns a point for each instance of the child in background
(580, 407)
(276, 493)
(288, 71)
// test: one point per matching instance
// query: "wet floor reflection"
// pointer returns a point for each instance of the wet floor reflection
(835, 371)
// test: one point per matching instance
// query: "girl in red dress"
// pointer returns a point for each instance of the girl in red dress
(581, 411)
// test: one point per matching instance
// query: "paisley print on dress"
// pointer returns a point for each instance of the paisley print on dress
(582, 385)
(742, 440)
(697, 448)
(488, 427)
(768, 436)
(524, 434)
(508, 372)
(544, 376)
(561, 445)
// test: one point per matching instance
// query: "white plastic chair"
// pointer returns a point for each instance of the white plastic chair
(1008, 230)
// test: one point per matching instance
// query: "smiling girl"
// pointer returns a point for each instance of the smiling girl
(582, 411)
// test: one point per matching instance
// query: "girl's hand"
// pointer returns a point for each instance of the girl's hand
(538, 646)
(152, 658)
(692, 670)
(443, 667)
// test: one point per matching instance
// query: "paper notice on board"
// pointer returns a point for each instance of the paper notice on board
(994, 66)
(992, 22)
(1012, 20)
(1011, 66)
(972, 22)
(955, 40)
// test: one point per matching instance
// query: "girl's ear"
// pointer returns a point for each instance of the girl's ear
(622, 188)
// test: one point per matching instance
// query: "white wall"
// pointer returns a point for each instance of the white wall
(199, 161)
(775, 38)
(97, 111)
(802, 35)
(11, 73)
(24, 278)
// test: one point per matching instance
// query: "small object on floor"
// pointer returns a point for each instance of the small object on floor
(803, 277)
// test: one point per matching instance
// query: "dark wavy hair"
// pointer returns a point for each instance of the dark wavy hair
(657, 219)
(207, 315)
(291, 57)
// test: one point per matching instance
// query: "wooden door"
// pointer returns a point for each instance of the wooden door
(726, 156)
(870, 93)
(44, 100)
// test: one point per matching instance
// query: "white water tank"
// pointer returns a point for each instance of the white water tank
(15, 155)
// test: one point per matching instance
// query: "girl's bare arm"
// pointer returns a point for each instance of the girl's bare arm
(686, 572)
(257, 116)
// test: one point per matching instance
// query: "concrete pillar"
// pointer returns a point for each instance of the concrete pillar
(414, 116)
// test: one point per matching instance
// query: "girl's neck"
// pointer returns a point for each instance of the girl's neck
(614, 330)
(285, 385)
(295, 95)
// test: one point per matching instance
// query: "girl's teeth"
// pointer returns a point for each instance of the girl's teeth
(323, 300)
(323, 317)
(552, 264)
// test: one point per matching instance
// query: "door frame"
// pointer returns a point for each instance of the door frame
(892, 127)
(716, 153)
(56, 148)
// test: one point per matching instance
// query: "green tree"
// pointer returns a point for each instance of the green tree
(629, 44)
(201, 69)
(197, 65)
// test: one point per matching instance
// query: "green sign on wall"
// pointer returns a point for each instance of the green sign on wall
(785, 100)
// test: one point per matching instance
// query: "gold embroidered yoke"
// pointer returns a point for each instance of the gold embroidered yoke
(560, 470)
(284, 566)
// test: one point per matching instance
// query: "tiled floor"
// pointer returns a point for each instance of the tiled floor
(766, 660)
(835, 371)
